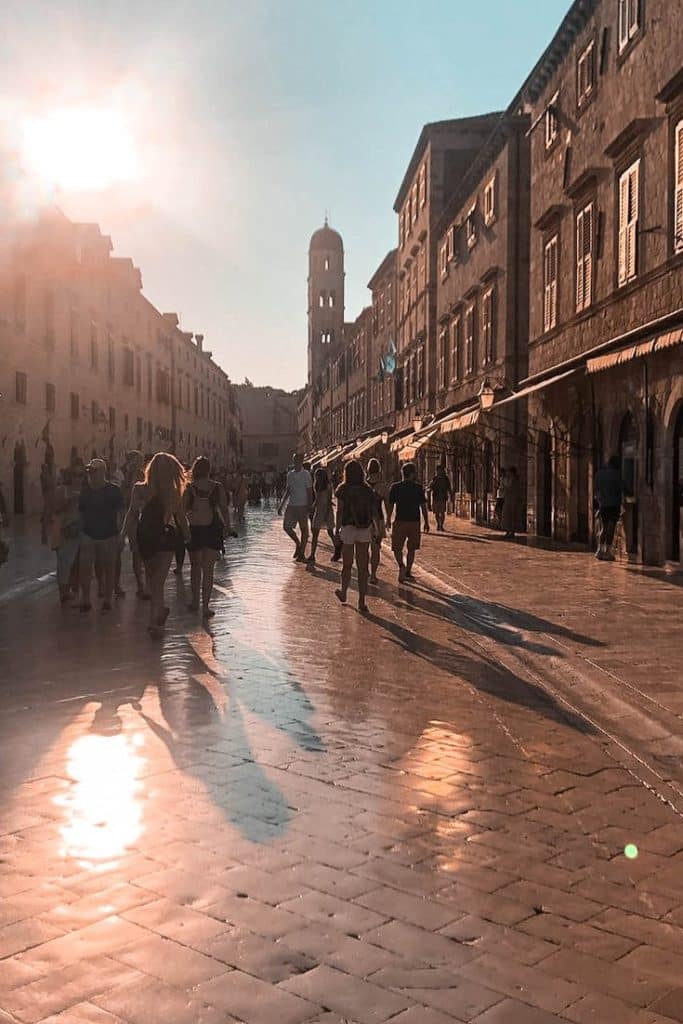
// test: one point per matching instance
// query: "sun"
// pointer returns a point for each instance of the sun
(80, 149)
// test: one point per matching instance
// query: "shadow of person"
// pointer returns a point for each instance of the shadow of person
(483, 673)
(505, 624)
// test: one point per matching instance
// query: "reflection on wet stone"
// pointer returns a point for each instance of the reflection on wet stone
(297, 814)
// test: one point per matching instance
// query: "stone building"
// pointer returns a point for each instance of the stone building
(89, 367)
(441, 157)
(269, 426)
(482, 308)
(606, 272)
(383, 348)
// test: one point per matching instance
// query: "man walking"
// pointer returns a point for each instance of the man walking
(440, 492)
(299, 491)
(101, 508)
(609, 494)
(409, 499)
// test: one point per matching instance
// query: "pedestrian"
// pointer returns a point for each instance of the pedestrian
(206, 508)
(512, 503)
(299, 495)
(323, 515)
(440, 492)
(239, 494)
(500, 492)
(47, 489)
(409, 499)
(156, 505)
(134, 473)
(65, 529)
(609, 495)
(100, 506)
(375, 481)
(356, 512)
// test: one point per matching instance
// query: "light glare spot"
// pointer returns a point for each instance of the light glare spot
(631, 851)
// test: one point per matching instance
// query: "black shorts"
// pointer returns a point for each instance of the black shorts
(210, 536)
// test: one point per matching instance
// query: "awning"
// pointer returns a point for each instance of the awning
(548, 382)
(639, 351)
(409, 451)
(331, 455)
(459, 421)
(365, 446)
(401, 442)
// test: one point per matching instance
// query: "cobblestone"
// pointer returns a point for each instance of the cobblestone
(302, 815)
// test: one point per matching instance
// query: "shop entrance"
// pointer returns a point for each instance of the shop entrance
(677, 519)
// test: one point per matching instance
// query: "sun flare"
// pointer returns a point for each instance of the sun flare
(80, 149)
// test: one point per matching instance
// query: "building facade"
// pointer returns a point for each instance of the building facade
(89, 367)
(606, 272)
(269, 427)
(383, 286)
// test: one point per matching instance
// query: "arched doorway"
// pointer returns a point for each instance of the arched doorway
(677, 518)
(628, 451)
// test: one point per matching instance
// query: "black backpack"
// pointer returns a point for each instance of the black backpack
(360, 504)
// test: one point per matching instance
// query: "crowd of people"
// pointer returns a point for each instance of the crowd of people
(358, 514)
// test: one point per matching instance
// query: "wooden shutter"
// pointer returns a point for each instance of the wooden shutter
(628, 224)
(623, 23)
(579, 262)
(584, 258)
(678, 190)
(550, 286)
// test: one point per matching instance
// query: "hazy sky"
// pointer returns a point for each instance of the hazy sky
(249, 120)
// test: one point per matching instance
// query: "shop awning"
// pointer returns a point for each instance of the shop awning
(409, 451)
(459, 421)
(401, 442)
(365, 446)
(638, 351)
(537, 386)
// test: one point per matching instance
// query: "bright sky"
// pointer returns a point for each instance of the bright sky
(237, 124)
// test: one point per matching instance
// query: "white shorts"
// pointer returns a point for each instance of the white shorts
(356, 534)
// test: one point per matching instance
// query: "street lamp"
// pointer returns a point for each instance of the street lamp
(486, 395)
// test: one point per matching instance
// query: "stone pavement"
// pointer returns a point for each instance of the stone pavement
(300, 815)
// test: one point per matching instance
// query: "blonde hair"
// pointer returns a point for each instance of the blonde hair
(165, 478)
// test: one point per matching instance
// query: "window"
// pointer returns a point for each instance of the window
(678, 188)
(490, 202)
(19, 300)
(413, 202)
(138, 427)
(451, 253)
(629, 21)
(422, 186)
(455, 348)
(584, 257)
(628, 223)
(585, 75)
(75, 406)
(443, 260)
(50, 403)
(321, 300)
(112, 418)
(93, 347)
(552, 124)
(330, 300)
(49, 308)
(442, 368)
(326, 264)
(94, 411)
(469, 339)
(21, 387)
(550, 268)
(488, 325)
(111, 362)
(471, 227)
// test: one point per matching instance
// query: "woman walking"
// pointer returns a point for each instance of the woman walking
(374, 479)
(134, 473)
(356, 513)
(65, 530)
(156, 507)
(323, 515)
(206, 507)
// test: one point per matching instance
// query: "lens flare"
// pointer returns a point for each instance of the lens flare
(631, 851)
(79, 149)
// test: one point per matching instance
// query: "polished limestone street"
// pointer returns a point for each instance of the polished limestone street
(466, 807)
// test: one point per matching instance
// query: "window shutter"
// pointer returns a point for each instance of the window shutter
(633, 19)
(623, 222)
(623, 23)
(580, 287)
(628, 224)
(588, 255)
(678, 190)
(550, 289)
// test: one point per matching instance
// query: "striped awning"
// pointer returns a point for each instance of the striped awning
(636, 351)
(459, 421)
(364, 446)
(409, 451)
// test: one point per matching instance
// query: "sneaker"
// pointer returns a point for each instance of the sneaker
(409, 576)
(373, 580)
(341, 596)
(363, 609)
(401, 574)
(310, 560)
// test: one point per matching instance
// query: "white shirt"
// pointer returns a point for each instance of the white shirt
(299, 483)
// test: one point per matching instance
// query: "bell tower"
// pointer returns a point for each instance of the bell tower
(325, 298)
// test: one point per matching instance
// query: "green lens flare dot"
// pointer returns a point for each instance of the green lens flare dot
(631, 851)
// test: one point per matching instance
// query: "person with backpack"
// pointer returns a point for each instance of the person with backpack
(357, 511)
(157, 509)
(206, 508)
